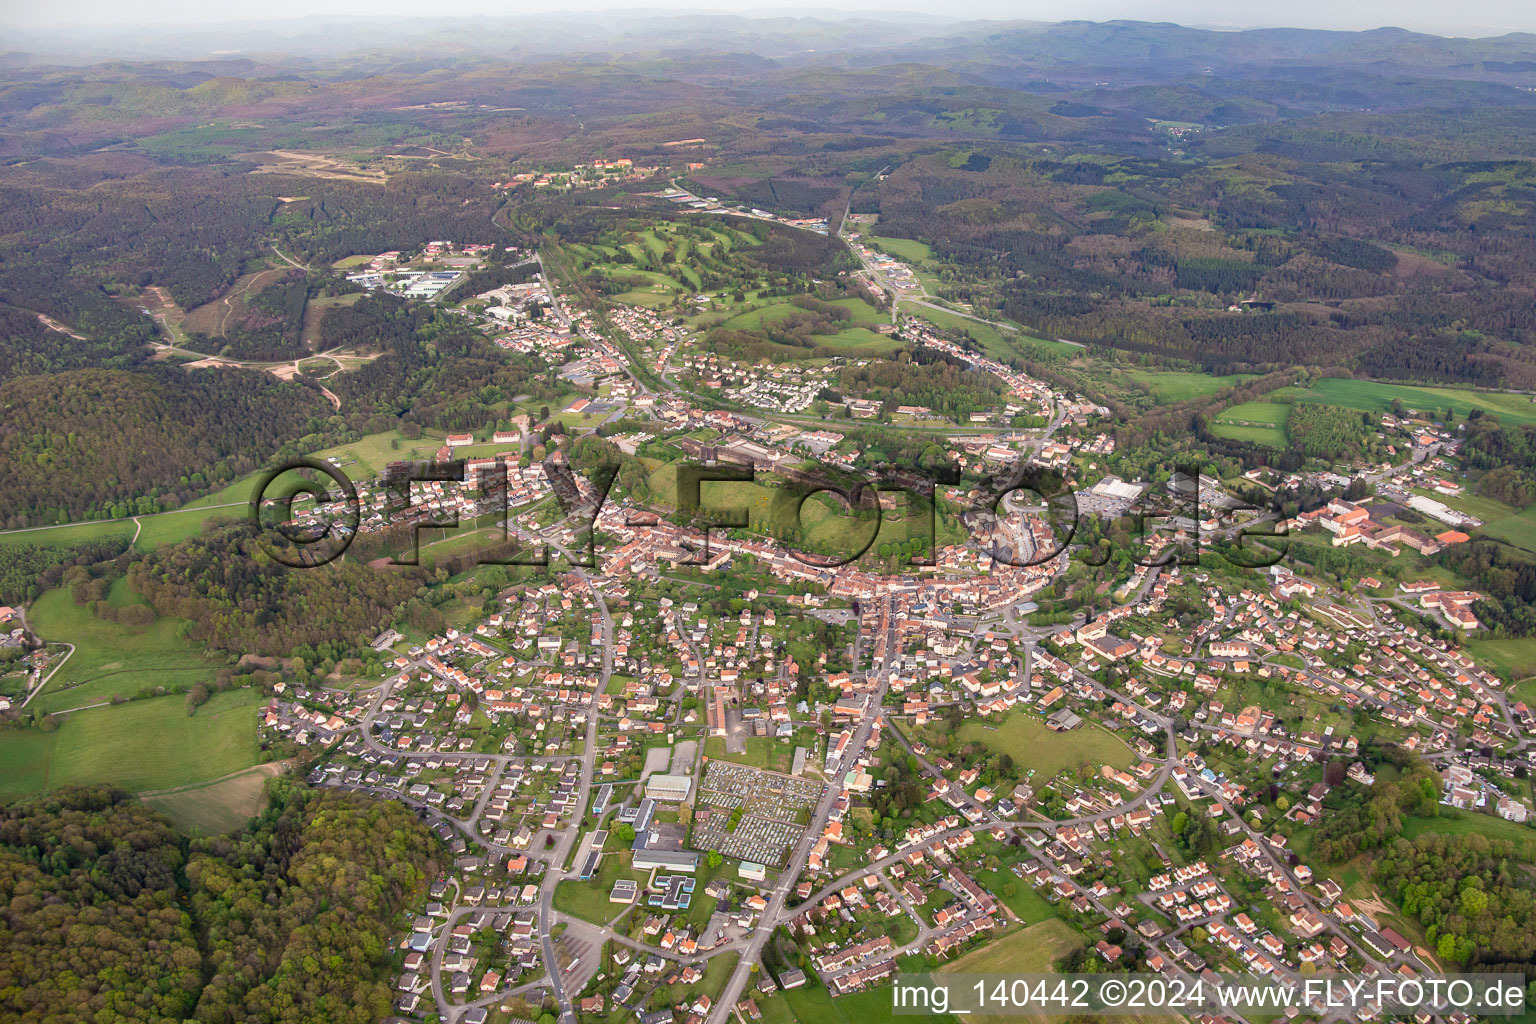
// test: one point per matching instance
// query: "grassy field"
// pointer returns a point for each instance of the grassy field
(1371, 396)
(1523, 836)
(589, 900)
(667, 279)
(1169, 386)
(368, 456)
(217, 807)
(766, 752)
(110, 659)
(1028, 950)
(908, 250)
(1518, 528)
(1514, 657)
(76, 533)
(1026, 739)
(1027, 904)
(360, 460)
(862, 314)
(1257, 422)
(144, 744)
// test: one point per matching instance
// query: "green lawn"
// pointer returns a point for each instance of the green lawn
(143, 744)
(1027, 904)
(1025, 738)
(110, 659)
(589, 900)
(764, 751)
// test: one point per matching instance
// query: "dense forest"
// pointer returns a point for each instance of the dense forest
(94, 443)
(237, 599)
(1475, 901)
(1329, 432)
(30, 348)
(1506, 575)
(26, 569)
(107, 914)
(1159, 255)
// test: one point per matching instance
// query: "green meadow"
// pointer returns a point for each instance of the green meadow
(1169, 386)
(110, 659)
(144, 744)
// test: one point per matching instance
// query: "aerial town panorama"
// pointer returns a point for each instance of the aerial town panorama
(681, 518)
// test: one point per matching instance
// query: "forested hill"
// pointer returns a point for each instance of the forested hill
(107, 914)
(92, 442)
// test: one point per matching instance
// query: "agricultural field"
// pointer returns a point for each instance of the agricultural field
(217, 807)
(111, 659)
(1027, 740)
(143, 744)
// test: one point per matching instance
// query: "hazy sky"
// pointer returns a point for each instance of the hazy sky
(1470, 17)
